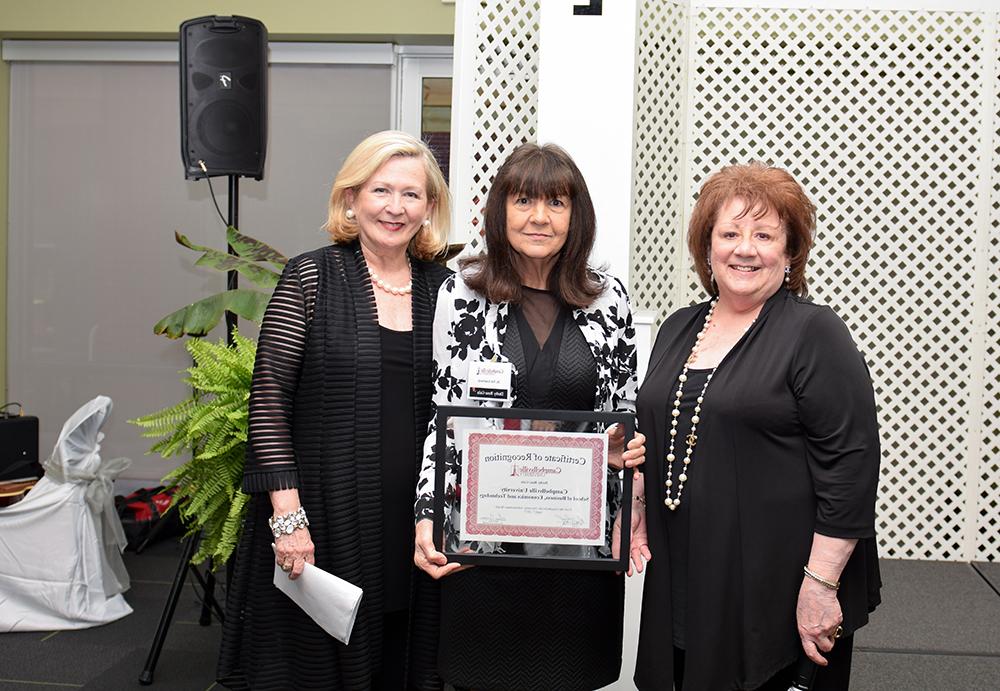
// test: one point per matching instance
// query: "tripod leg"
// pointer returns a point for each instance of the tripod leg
(208, 587)
(209, 600)
(146, 677)
(154, 534)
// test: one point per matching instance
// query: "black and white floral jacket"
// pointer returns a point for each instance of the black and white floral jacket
(468, 328)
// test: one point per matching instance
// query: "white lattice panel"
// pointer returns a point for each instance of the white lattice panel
(504, 95)
(988, 500)
(657, 198)
(875, 113)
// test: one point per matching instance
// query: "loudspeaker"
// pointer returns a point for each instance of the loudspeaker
(19, 448)
(223, 64)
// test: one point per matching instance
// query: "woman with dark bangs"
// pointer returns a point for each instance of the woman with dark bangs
(531, 300)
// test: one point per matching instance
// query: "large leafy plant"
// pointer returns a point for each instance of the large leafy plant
(251, 260)
(212, 423)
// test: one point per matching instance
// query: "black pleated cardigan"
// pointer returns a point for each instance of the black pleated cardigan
(788, 445)
(268, 642)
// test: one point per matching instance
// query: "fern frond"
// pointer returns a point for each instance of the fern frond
(212, 425)
(164, 422)
(219, 446)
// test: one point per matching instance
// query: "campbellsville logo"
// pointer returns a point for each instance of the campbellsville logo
(532, 470)
(225, 80)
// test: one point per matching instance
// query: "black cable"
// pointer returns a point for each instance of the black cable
(3, 409)
(212, 190)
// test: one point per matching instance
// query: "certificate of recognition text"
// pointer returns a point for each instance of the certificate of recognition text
(538, 487)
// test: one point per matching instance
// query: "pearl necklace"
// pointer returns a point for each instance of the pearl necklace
(692, 439)
(394, 290)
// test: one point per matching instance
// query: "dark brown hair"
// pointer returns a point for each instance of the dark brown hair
(536, 172)
(763, 188)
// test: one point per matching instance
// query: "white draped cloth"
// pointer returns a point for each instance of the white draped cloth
(60, 547)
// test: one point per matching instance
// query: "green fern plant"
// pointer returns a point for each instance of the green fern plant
(212, 425)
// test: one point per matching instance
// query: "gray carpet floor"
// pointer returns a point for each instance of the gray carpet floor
(110, 657)
(938, 629)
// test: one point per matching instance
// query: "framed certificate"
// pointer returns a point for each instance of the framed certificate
(522, 487)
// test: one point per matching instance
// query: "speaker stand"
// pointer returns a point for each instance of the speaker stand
(232, 277)
(208, 604)
(207, 583)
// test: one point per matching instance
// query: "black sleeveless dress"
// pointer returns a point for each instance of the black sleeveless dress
(506, 628)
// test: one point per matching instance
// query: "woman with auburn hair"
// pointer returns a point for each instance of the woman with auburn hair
(339, 403)
(532, 301)
(759, 512)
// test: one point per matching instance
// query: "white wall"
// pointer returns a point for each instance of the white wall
(586, 89)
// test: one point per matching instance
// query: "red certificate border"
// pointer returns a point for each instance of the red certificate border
(595, 528)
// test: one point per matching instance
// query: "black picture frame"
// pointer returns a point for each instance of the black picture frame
(627, 420)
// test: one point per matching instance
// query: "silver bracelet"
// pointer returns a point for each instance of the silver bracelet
(288, 523)
(831, 585)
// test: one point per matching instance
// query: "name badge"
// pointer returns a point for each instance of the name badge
(490, 381)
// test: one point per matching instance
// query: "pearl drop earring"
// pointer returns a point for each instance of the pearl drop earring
(788, 273)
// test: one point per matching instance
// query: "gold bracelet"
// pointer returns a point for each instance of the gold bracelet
(832, 585)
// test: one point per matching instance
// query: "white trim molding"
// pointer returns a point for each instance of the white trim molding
(279, 52)
(412, 64)
(875, 5)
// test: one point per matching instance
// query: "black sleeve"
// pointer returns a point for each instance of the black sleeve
(270, 462)
(836, 405)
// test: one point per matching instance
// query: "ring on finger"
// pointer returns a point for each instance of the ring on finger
(838, 633)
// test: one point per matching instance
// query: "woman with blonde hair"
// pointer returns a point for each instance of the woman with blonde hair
(340, 399)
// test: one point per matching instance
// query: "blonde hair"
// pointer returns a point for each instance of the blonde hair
(361, 164)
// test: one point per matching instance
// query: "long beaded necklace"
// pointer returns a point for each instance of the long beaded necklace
(394, 290)
(692, 437)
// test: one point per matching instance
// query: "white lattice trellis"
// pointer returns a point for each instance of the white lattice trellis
(501, 90)
(658, 188)
(891, 120)
(856, 106)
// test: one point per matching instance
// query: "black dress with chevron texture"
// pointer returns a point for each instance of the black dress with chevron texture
(507, 628)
